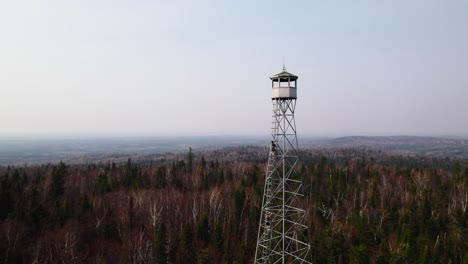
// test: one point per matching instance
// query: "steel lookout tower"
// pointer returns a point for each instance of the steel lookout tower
(282, 232)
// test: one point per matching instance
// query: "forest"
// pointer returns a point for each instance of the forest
(363, 206)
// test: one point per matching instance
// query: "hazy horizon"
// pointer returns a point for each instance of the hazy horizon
(195, 68)
(181, 136)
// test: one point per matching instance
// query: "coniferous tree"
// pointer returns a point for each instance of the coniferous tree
(161, 245)
(57, 187)
(218, 238)
(187, 254)
(190, 160)
(203, 230)
(161, 177)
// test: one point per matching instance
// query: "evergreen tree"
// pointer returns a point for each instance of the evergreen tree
(175, 181)
(187, 253)
(57, 187)
(190, 160)
(161, 177)
(6, 197)
(203, 230)
(103, 183)
(218, 238)
(161, 245)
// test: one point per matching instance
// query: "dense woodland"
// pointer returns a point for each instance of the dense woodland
(203, 207)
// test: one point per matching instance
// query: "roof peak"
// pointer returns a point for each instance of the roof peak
(284, 74)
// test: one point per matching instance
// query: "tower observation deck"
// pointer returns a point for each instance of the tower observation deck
(284, 85)
(282, 231)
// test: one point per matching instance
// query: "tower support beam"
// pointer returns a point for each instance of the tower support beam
(282, 232)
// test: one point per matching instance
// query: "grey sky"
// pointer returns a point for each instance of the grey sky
(201, 67)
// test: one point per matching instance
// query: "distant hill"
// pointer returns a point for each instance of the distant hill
(405, 145)
(84, 150)
(36, 151)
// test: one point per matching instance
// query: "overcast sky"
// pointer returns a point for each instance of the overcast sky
(147, 68)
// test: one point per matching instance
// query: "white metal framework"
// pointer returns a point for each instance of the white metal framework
(282, 233)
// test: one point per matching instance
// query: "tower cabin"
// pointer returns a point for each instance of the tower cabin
(284, 85)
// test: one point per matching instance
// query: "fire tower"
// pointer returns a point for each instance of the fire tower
(282, 233)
